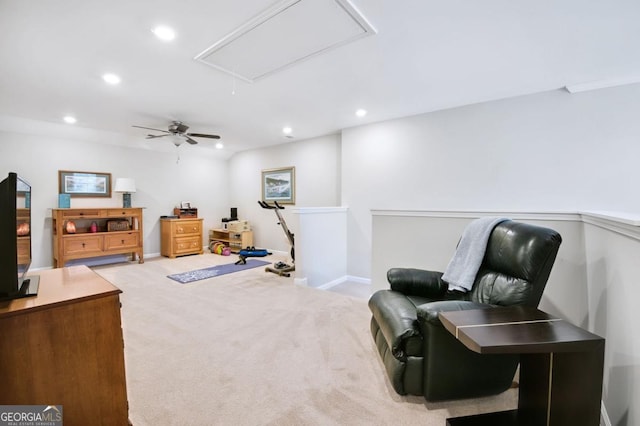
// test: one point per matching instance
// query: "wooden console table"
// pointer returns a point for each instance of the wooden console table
(561, 365)
(65, 347)
(103, 241)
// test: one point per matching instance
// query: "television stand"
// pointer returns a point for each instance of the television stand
(65, 347)
(29, 286)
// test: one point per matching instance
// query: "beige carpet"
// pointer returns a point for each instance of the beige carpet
(252, 348)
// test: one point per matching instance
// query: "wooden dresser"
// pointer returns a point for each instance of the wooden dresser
(180, 237)
(65, 347)
(117, 231)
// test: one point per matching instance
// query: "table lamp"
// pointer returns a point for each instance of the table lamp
(126, 186)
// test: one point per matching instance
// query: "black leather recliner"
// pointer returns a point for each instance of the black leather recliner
(419, 355)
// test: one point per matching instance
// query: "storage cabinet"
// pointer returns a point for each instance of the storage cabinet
(236, 241)
(180, 237)
(65, 347)
(126, 239)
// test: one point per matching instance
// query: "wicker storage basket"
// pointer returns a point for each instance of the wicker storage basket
(118, 225)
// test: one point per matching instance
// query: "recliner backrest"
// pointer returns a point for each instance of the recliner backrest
(516, 265)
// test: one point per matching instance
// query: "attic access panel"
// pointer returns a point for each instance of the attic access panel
(284, 35)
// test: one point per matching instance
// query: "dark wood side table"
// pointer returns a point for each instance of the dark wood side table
(561, 365)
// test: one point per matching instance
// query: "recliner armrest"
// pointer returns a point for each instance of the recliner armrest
(395, 314)
(417, 282)
(429, 311)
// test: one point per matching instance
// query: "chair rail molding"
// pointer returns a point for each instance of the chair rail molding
(474, 214)
(623, 223)
(626, 224)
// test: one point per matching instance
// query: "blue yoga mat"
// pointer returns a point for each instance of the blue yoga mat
(215, 271)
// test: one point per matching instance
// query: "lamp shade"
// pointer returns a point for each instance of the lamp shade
(126, 185)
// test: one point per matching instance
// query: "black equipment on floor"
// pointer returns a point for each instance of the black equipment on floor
(250, 252)
(281, 268)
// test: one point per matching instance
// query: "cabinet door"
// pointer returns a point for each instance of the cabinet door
(247, 239)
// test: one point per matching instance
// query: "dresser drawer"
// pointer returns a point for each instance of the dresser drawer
(186, 227)
(187, 245)
(82, 212)
(121, 240)
(120, 213)
(81, 244)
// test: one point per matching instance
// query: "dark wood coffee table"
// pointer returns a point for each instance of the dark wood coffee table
(561, 365)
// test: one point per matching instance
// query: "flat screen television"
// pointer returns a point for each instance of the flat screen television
(15, 239)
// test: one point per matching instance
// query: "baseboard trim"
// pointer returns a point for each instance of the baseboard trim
(359, 280)
(301, 281)
(343, 279)
(604, 416)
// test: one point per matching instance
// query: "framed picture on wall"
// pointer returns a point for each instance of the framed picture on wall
(84, 184)
(279, 185)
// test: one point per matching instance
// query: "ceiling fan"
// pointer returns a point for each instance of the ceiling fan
(179, 130)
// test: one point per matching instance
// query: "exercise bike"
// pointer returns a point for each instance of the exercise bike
(281, 268)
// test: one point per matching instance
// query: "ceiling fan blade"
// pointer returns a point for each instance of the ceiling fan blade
(155, 136)
(191, 141)
(203, 135)
(149, 128)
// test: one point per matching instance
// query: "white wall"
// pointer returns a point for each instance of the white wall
(550, 151)
(161, 183)
(613, 270)
(317, 171)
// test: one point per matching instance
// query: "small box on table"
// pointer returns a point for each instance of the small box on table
(238, 226)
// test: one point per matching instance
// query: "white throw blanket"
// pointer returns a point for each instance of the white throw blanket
(465, 263)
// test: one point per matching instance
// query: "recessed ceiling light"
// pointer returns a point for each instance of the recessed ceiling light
(361, 112)
(164, 33)
(70, 119)
(287, 130)
(111, 78)
(219, 145)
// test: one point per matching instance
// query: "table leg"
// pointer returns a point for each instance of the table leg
(561, 389)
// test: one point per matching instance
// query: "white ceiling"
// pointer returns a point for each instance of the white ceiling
(427, 55)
